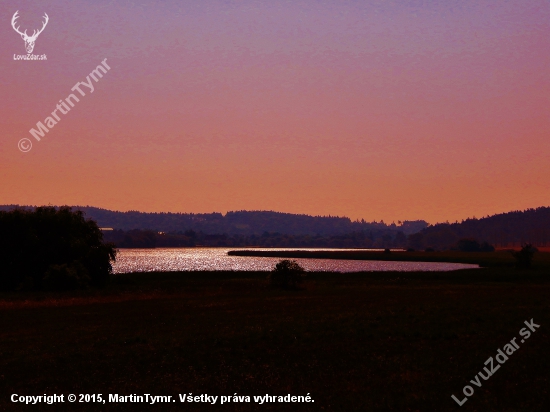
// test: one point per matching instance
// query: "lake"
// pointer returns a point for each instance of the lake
(194, 259)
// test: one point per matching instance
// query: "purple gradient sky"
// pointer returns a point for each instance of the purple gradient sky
(435, 110)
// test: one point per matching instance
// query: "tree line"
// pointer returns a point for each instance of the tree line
(510, 229)
(150, 239)
(243, 229)
(240, 222)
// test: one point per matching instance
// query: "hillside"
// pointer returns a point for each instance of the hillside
(240, 222)
(243, 227)
(501, 230)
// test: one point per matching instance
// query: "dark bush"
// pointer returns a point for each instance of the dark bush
(53, 248)
(472, 245)
(287, 274)
(486, 247)
(468, 245)
(524, 257)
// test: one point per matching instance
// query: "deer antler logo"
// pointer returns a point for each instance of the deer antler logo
(29, 40)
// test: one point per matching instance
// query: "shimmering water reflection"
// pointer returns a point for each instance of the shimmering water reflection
(193, 259)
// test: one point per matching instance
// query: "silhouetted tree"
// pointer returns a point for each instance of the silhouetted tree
(486, 247)
(468, 245)
(472, 245)
(524, 257)
(51, 247)
(287, 274)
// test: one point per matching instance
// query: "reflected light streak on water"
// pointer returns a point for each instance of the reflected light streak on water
(196, 259)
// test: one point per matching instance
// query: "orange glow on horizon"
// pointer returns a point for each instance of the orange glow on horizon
(367, 111)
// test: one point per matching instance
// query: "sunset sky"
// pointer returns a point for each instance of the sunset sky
(393, 110)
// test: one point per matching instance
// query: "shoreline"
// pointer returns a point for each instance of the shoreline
(501, 258)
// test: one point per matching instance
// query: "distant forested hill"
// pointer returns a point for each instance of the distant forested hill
(265, 228)
(241, 222)
(502, 230)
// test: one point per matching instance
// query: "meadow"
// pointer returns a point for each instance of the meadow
(389, 341)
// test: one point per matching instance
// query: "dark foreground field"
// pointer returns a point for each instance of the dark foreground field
(354, 342)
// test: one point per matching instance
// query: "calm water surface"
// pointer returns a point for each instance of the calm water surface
(182, 259)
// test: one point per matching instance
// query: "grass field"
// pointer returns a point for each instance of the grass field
(355, 342)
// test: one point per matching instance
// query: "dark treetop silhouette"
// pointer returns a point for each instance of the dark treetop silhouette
(52, 248)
